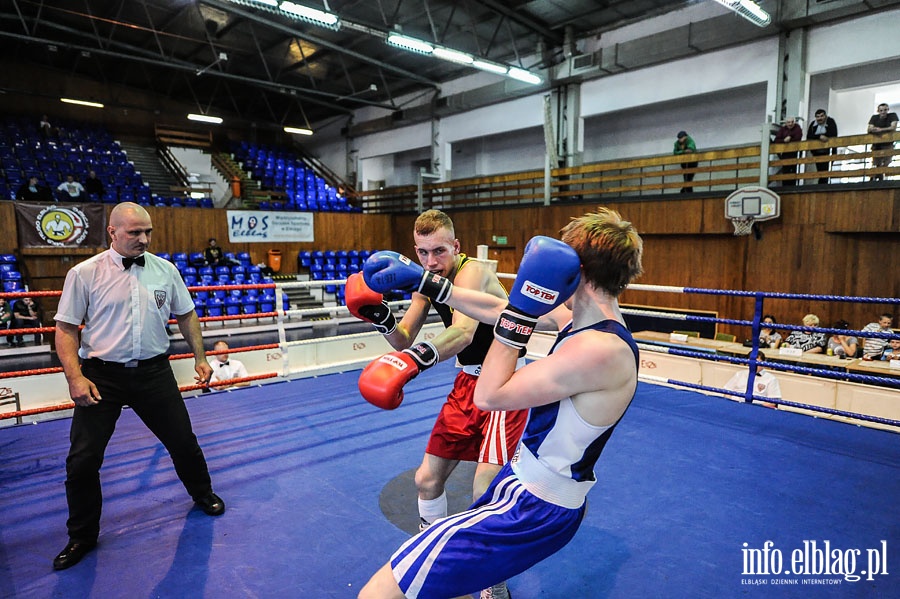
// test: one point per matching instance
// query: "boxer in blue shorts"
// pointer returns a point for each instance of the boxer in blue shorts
(576, 396)
(462, 432)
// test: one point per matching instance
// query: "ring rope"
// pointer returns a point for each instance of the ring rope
(70, 405)
(30, 372)
(831, 374)
(832, 411)
(769, 294)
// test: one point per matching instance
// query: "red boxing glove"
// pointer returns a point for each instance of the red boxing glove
(368, 305)
(381, 382)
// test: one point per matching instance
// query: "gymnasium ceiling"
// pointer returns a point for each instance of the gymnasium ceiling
(228, 57)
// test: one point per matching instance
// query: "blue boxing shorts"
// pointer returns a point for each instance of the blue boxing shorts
(505, 532)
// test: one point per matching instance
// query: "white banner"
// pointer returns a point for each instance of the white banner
(250, 226)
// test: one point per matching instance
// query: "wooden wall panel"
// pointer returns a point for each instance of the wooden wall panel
(841, 242)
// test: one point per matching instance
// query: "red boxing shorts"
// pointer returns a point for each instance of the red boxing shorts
(463, 432)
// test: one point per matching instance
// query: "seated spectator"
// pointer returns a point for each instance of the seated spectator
(892, 351)
(34, 192)
(93, 185)
(883, 121)
(765, 384)
(873, 347)
(806, 340)
(72, 190)
(226, 369)
(769, 337)
(6, 320)
(26, 315)
(823, 129)
(213, 253)
(842, 346)
(787, 133)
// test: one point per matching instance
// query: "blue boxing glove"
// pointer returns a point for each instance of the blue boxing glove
(387, 271)
(548, 274)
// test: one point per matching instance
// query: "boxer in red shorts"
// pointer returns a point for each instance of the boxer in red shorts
(462, 431)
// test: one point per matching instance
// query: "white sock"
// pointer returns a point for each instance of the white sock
(432, 509)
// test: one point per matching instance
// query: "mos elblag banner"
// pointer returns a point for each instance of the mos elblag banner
(55, 225)
(256, 226)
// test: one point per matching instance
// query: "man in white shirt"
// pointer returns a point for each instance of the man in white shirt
(226, 369)
(124, 297)
(73, 189)
(764, 384)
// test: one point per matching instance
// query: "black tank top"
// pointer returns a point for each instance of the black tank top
(475, 352)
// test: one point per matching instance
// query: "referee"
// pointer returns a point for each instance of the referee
(124, 297)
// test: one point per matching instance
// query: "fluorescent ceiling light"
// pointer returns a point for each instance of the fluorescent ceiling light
(490, 67)
(748, 9)
(410, 43)
(453, 55)
(81, 102)
(310, 14)
(523, 75)
(204, 118)
(298, 131)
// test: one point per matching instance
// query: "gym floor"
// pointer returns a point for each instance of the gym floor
(319, 491)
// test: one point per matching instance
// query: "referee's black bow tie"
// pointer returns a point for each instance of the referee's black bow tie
(127, 262)
(225, 363)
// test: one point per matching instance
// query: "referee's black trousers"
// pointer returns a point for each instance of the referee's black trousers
(152, 393)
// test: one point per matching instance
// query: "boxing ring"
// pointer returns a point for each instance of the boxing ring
(698, 496)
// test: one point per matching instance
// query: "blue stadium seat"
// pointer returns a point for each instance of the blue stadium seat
(232, 305)
(214, 306)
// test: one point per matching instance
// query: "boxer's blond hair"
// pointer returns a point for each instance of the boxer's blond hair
(431, 220)
(609, 247)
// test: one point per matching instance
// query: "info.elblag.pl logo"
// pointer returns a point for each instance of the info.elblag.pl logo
(814, 562)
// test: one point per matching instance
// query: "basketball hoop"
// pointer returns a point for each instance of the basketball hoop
(747, 205)
(743, 225)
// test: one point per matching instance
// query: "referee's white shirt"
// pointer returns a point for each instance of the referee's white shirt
(124, 311)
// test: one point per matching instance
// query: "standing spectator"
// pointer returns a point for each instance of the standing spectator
(6, 320)
(840, 345)
(684, 144)
(93, 185)
(874, 346)
(71, 189)
(769, 337)
(124, 297)
(33, 191)
(764, 383)
(225, 368)
(788, 132)
(823, 129)
(808, 341)
(883, 121)
(46, 128)
(26, 315)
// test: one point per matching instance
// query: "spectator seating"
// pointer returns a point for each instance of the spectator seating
(281, 170)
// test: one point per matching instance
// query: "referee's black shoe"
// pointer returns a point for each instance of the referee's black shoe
(72, 554)
(211, 504)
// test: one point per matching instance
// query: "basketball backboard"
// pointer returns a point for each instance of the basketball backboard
(757, 203)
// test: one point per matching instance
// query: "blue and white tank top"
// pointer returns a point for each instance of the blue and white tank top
(556, 456)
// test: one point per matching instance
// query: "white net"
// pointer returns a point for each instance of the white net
(742, 225)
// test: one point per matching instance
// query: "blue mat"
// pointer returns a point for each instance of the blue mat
(690, 488)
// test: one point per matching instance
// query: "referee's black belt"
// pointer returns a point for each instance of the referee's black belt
(97, 362)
